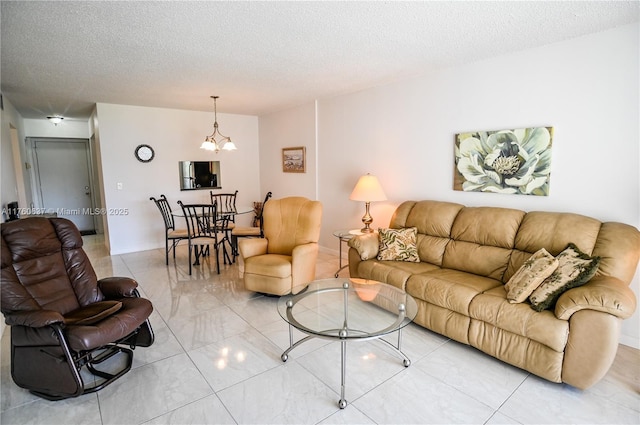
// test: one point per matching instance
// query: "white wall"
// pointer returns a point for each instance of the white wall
(72, 129)
(9, 118)
(290, 128)
(175, 135)
(587, 88)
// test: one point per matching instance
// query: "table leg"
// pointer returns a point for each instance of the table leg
(342, 403)
(292, 345)
(340, 258)
(397, 348)
(344, 332)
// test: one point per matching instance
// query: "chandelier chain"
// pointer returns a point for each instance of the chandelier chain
(223, 143)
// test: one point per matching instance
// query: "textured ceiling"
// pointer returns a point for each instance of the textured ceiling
(259, 57)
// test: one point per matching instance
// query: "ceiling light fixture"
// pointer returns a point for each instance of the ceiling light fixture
(56, 119)
(216, 140)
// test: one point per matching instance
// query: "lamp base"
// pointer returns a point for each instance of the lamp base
(367, 220)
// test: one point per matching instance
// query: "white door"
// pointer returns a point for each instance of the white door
(65, 187)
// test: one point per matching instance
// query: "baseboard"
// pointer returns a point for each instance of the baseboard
(630, 341)
(325, 250)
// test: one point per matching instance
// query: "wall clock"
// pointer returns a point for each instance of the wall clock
(144, 153)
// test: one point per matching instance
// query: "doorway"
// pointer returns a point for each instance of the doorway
(63, 180)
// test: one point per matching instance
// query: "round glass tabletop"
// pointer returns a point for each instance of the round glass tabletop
(348, 308)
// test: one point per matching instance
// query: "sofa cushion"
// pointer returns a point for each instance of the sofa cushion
(433, 218)
(482, 260)
(482, 240)
(617, 245)
(394, 273)
(487, 226)
(530, 275)
(575, 268)
(551, 231)
(398, 245)
(451, 289)
(431, 248)
(492, 307)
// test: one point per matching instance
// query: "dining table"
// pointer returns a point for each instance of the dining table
(230, 214)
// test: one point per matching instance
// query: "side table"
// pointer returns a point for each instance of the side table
(344, 235)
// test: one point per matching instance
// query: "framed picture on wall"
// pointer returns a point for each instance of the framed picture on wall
(513, 161)
(294, 160)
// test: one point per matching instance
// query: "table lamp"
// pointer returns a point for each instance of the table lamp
(368, 190)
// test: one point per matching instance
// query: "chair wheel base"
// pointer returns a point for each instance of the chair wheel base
(110, 351)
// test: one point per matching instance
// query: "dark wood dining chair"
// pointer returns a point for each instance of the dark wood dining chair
(250, 232)
(226, 202)
(205, 228)
(227, 210)
(171, 234)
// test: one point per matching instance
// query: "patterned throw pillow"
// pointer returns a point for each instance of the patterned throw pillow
(530, 275)
(575, 268)
(398, 245)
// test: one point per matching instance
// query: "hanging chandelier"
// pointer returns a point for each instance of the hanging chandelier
(216, 141)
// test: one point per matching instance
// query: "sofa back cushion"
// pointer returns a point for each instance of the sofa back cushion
(482, 239)
(290, 222)
(618, 246)
(434, 220)
(495, 242)
(553, 232)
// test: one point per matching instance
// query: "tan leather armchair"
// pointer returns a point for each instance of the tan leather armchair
(286, 257)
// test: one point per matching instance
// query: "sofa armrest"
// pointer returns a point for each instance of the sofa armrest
(250, 247)
(366, 245)
(603, 293)
(118, 287)
(33, 319)
(354, 262)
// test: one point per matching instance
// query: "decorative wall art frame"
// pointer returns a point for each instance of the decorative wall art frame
(294, 160)
(516, 161)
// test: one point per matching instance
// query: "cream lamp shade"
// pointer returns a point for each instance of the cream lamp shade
(367, 190)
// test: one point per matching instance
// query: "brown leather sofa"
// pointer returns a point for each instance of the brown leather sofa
(63, 319)
(467, 254)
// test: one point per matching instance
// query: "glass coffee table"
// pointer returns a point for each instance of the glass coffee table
(346, 309)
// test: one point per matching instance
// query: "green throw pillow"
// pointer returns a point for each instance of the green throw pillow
(575, 268)
(530, 275)
(398, 245)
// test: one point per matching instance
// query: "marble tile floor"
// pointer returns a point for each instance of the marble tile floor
(216, 359)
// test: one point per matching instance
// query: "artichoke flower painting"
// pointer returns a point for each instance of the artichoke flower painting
(507, 161)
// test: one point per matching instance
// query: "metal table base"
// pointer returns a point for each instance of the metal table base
(344, 334)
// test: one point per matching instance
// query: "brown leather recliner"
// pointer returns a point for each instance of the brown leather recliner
(62, 317)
